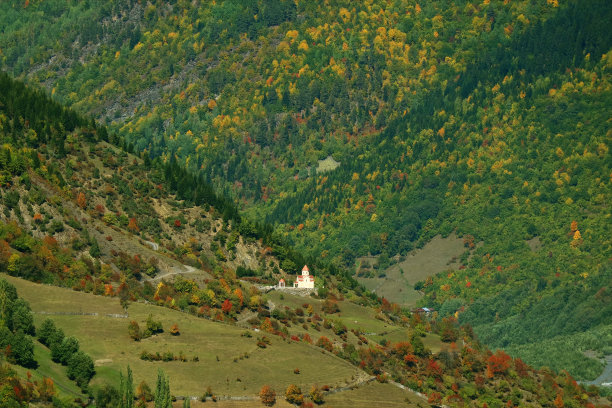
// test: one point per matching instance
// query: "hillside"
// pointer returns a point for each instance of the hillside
(71, 192)
(109, 314)
(363, 131)
(229, 361)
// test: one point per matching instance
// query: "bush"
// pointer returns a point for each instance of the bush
(293, 395)
(325, 343)
(61, 352)
(267, 395)
(153, 327)
(143, 392)
(107, 396)
(316, 395)
(80, 369)
(330, 306)
(134, 331)
(22, 318)
(22, 350)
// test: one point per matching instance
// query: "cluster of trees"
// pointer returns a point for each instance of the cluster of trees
(480, 376)
(167, 356)
(128, 397)
(16, 327)
(153, 327)
(65, 351)
(18, 391)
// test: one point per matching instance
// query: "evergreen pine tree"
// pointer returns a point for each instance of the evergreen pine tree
(126, 389)
(163, 399)
(121, 390)
(129, 389)
(159, 389)
(167, 396)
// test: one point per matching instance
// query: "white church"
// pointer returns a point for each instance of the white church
(303, 281)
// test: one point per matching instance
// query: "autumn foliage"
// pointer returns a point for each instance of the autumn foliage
(81, 200)
(293, 395)
(325, 343)
(267, 395)
(498, 363)
(227, 306)
(133, 225)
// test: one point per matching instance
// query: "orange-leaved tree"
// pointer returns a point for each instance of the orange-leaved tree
(226, 307)
(498, 363)
(267, 395)
(81, 200)
(293, 395)
(133, 225)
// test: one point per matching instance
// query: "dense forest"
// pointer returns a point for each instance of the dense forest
(49, 237)
(367, 129)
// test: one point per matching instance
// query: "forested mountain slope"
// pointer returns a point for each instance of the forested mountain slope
(79, 211)
(490, 119)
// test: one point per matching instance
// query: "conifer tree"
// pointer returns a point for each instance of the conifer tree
(126, 389)
(163, 399)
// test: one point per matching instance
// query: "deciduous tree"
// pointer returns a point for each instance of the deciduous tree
(267, 395)
(293, 395)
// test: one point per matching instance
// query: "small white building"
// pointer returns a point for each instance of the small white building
(305, 280)
(281, 284)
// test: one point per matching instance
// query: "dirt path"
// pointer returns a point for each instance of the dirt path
(176, 270)
(245, 318)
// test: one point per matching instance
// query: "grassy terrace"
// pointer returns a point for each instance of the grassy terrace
(218, 347)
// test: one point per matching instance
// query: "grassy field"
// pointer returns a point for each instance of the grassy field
(218, 347)
(436, 256)
(327, 164)
(375, 395)
(353, 316)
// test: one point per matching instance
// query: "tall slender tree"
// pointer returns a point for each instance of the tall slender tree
(126, 389)
(163, 399)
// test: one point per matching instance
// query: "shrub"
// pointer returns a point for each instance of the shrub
(263, 342)
(330, 306)
(46, 331)
(22, 350)
(316, 395)
(293, 395)
(62, 351)
(107, 396)
(325, 343)
(153, 327)
(143, 392)
(267, 395)
(80, 369)
(134, 331)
